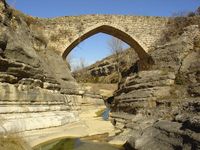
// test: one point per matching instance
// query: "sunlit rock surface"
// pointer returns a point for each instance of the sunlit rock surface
(36, 87)
(153, 106)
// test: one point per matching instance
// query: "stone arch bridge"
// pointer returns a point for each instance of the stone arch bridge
(140, 32)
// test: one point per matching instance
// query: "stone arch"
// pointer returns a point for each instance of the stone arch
(110, 30)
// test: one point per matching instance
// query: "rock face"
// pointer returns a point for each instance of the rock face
(159, 107)
(156, 105)
(36, 87)
(104, 71)
(182, 133)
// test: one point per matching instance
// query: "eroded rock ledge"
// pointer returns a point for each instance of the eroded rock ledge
(159, 108)
(36, 87)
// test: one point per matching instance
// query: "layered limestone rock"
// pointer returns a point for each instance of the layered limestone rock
(143, 89)
(36, 87)
(158, 108)
(183, 133)
(24, 108)
(37, 90)
(105, 71)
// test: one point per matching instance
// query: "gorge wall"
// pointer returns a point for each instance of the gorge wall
(105, 70)
(156, 106)
(159, 108)
(36, 87)
(36, 83)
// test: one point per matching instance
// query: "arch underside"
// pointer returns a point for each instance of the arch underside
(111, 31)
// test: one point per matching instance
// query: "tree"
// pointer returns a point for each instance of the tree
(198, 11)
(75, 64)
(78, 64)
(180, 14)
(116, 47)
(191, 14)
(82, 63)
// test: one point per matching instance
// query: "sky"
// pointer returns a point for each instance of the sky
(95, 47)
(54, 8)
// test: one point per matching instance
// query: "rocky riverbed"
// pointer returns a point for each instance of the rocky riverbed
(156, 106)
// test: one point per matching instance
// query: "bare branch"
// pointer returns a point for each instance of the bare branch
(115, 45)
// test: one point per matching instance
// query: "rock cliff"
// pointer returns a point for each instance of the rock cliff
(158, 107)
(104, 71)
(36, 87)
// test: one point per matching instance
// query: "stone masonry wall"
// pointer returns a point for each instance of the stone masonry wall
(63, 31)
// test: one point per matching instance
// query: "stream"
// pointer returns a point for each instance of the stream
(105, 114)
(75, 144)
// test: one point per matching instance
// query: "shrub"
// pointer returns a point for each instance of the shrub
(191, 14)
(176, 26)
(28, 19)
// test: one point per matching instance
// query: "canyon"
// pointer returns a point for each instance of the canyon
(154, 107)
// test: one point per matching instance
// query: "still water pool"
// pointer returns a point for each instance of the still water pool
(75, 144)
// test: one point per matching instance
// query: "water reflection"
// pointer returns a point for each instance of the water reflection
(105, 114)
(75, 144)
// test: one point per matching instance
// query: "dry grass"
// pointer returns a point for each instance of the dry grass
(28, 19)
(18, 17)
(177, 25)
(12, 142)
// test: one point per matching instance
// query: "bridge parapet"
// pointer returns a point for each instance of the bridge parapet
(63, 31)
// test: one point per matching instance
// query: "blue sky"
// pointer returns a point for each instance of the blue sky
(95, 47)
(53, 8)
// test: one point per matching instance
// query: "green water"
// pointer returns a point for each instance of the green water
(75, 144)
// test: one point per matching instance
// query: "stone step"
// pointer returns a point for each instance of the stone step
(122, 115)
(5, 109)
(33, 114)
(33, 121)
(30, 103)
(133, 105)
(154, 92)
(31, 82)
(51, 86)
(149, 76)
(133, 100)
(8, 78)
(10, 92)
(131, 87)
(20, 70)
